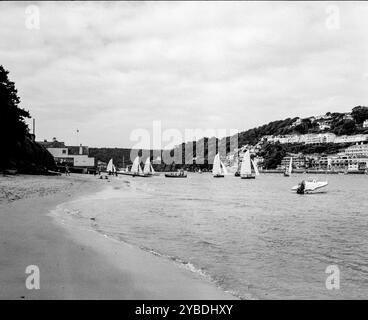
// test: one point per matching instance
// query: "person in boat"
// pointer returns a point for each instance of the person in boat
(301, 188)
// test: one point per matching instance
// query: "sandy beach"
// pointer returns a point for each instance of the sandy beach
(78, 263)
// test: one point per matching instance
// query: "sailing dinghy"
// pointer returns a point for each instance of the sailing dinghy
(246, 167)
(135, 170)
(287, 172)
(148, 168)
(111, 169)
(218, 169)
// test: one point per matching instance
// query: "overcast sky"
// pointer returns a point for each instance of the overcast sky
(109, 68)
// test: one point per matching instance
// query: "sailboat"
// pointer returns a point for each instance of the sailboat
(246, 167)
(218, 169)
(135, 170)
(111, 169)
(287, 172)
(148, 168)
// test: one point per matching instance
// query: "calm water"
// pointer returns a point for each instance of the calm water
(254, 238)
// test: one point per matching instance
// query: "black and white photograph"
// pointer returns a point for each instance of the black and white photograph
(183, 150)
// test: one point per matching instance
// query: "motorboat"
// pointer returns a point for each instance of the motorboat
(309, 186)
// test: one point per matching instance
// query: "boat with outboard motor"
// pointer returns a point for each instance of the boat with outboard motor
(309, 186)
(179, 174)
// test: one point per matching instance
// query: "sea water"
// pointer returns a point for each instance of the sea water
(253, 238)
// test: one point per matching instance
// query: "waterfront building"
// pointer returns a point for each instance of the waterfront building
(365, 124)
(357, 150)
(73, 156)
(338, 163)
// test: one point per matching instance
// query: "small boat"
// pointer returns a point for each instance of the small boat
(148, 169)
(179, 174)
(309, 186)
(111, 169)
(246, 167)
(287, 172)
(218, 169)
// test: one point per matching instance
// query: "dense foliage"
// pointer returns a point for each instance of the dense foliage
(19, 150)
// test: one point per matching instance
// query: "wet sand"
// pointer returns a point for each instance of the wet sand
(78, 263)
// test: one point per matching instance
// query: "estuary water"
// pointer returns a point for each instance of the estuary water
(253, 238)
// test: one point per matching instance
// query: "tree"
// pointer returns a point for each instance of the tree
(13, 127)
(360, 114)
(18, 150)
(13, 117)
(348, 127)
(273, 154)
(304, 126)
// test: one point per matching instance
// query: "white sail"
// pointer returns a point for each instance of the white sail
(216, 169)
(291, 165)
(245, 166)
(224, 168)
(136, 168)
(152, 170)
(147, 166)
(255, 168)
(110, 166)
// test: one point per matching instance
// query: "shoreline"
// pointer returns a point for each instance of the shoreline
(78, 263)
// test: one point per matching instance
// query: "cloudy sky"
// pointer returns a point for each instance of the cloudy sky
(110, 68)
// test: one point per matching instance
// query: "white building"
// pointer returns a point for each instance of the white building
(365, 124)
(324, 125)
(312, 138)
(72, 156)
(315, 138)
(351, 139)
(328, 137)
(357, 150)
(348, 116)
(296, 122)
